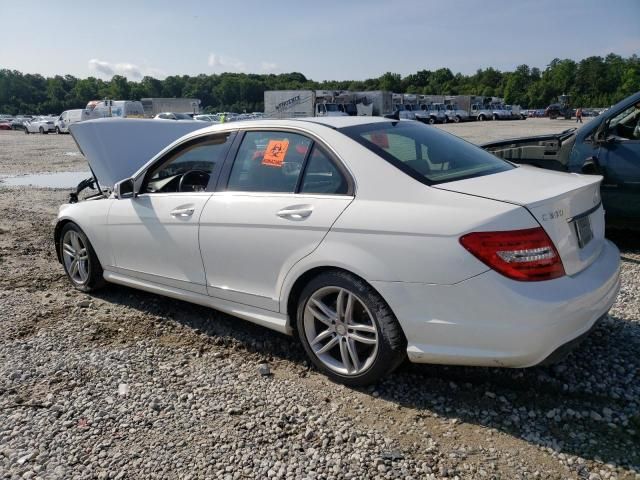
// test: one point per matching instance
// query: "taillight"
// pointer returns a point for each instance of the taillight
(526, 255)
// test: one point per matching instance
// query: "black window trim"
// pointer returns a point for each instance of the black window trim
(353, 132)
(183, 146)
(225, 173)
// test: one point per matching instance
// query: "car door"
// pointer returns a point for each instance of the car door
(619, 157)
(281, 196)
(154, 236)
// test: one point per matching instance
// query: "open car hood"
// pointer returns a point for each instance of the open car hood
(116, 148)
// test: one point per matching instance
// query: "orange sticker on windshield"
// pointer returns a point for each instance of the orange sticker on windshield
(275, 153)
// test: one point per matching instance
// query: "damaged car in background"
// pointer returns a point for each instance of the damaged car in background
(372, 240)
(608, 145)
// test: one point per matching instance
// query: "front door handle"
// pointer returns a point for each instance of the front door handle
(182, 212)
(295, 212)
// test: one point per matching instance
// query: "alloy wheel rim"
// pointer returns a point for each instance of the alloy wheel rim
(340, 330)
(76, 257)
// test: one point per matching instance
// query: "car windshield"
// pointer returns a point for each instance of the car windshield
(182, 116)
(425, 153)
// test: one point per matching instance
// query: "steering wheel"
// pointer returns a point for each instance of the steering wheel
(200, 179)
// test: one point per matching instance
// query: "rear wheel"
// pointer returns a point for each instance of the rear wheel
(348, 330)
(79, 260)
(481, 118)
(457, 119)
(432, 120)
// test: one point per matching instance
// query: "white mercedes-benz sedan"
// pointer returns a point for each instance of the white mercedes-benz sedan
(372, 240)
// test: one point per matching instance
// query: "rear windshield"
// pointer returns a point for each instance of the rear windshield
(426, 153)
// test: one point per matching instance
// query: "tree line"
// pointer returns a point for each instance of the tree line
(592, 82)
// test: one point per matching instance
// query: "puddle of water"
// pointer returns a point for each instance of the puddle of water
(47, 180)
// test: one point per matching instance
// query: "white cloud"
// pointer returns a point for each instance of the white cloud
(268, 66)
(226, 64)
(129, 70)
(99, 66)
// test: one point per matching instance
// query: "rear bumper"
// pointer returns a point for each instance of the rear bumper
(490, 320)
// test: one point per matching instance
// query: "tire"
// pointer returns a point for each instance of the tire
(432, 120)
(349, 359)
(57, 131)
(26, 131)
(481, 118)
(496, 117)
(457, 119)
(41, 131)
(87, 275)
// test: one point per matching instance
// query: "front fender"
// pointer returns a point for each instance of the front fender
(91, 217)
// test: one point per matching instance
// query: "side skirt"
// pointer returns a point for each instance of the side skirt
(274, 321)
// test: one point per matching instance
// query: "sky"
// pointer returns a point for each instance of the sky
(324, 40)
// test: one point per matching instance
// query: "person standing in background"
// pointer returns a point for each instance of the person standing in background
(579, 115)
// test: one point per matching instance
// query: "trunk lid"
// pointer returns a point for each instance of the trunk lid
(566, 205)
(116, 148)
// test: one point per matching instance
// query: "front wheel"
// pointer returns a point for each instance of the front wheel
(495, 117)
(348, 331)
(481, 118)
(432, 120)
(456, 119)
(79, 260)
(57, 131)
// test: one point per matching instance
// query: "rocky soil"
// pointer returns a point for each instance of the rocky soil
(129, 385)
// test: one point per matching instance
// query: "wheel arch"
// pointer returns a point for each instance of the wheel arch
(57, 232)
(292, 295)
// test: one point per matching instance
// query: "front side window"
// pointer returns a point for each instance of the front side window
(427, 154)
(269, 162)
(189, 167)
(627, 123)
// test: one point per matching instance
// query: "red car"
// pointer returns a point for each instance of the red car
(4, 125)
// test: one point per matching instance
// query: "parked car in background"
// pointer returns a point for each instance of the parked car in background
(206, 118)
(69, 117)
(173, 116)
(608, 145)
(18, 123)
(294, 225)
(5, 124)
(40, 125)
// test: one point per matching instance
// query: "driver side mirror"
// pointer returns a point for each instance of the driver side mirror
(124, 189)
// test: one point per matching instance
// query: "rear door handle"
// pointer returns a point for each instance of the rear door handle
(182, 212)
(295, 212)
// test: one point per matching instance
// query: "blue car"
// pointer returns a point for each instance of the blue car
(609, 145)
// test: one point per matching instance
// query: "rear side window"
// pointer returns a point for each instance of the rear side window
(322, 176)
(269, 162)
(426, 153)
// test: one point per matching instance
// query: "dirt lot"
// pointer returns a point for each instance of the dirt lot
(125, 384)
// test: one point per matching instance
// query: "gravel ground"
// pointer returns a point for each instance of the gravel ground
(125, 384)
